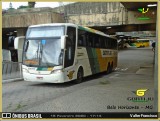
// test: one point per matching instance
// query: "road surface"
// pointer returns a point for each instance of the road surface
(98, 93)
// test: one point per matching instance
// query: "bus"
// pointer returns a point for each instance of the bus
(137, 43)
(62, 52)
(142, 43)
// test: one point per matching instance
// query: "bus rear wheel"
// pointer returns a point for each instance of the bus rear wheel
(108, 69)
(111, 68)
(79, 76)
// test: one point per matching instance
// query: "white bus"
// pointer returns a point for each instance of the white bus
(61, 52)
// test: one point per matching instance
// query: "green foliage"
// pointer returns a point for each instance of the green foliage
(31, 4)
(11, 9)
(22, 7)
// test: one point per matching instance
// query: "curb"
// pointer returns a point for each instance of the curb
(11, 80)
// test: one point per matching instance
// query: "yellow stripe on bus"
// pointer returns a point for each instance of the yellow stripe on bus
(101, 60)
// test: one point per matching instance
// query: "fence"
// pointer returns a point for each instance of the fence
(11, 70)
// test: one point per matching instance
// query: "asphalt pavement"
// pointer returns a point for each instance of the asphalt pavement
(115, 92)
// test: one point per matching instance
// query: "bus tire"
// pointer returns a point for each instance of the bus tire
(108, 68)
(111, 67)
(79, 76)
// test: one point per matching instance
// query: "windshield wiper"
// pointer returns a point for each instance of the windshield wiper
(26, 48)
(40, 52)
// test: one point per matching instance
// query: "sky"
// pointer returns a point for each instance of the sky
(5, 5)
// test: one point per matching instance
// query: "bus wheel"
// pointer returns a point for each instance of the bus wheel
(111, 68)
(79, 76)
(108, 69)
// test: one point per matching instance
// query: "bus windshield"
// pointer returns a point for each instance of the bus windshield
(45, 53)
(42, 46)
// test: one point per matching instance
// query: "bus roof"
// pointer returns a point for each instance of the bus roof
(54, 24)
(74, 25)
(91, 30)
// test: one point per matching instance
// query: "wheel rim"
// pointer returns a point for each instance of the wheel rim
(108, 69)
(111, 68)
(79, 76)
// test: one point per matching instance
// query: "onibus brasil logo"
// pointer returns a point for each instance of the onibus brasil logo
(140, 93)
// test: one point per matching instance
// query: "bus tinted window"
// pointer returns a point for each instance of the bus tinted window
(81, 38)
(109, 43)
(89, 39)
(97, 41)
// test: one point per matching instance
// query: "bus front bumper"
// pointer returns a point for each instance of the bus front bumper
(49, 78)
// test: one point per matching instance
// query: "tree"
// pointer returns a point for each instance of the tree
(31, 4)
(10, 6)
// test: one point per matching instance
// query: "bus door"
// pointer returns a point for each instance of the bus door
(70, 51)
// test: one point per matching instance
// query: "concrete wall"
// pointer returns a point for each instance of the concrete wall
(134, 15)
(27, 17)
(97, 19)
(82, 13)
(92, 7)
(96, 13)
(103, 14)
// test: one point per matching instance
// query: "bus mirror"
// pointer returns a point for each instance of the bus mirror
(63, 42)
(18, 42)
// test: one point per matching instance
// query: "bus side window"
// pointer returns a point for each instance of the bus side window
(88, 40)
(106, 43)
(96, 41)
(80, 41)
(84, 40)
(109, 43)
(103, 42)
(116, 44)
(112, 43)
(81, 38)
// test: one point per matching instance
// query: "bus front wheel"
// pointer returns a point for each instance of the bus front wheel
(79, 75)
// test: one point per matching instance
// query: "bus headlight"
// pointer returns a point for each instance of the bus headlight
(56, 71)
(25, 70)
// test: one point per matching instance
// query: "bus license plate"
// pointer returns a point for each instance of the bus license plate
(40, 78)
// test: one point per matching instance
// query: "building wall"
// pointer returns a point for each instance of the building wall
(96, 13)
(27, 18)
(104, 14)
(134, 15)
(82, 13)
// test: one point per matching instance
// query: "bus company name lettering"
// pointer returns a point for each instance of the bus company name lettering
(108, 53)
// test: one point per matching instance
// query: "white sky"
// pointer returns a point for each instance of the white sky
(5, 5)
